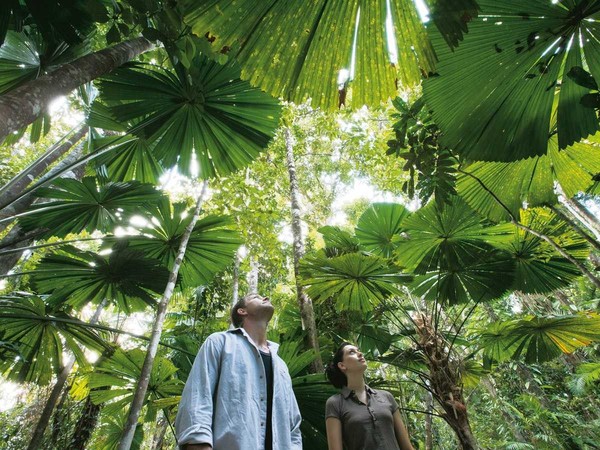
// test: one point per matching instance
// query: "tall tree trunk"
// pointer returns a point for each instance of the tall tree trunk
(593, 242)
(444, 377)
(38, 433)
(252, 276)
(142, 386)
(305, 303)
(429, 421)
(17, 185)
(235, 284)
(578, 210)
(85, 424)
(159, 433)
(22, 105)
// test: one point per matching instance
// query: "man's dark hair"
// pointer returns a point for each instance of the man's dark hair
(236, 319)
(333, 372)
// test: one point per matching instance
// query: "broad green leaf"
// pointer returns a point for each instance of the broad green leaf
(27, 323)
(210, 249)
(76, 206)
(125, 277)
(539, 268)
(444, 237)
(494, 96)
(211, 115)
(338, 241)
(111, 432)
(296, 50)
(531, 180)
(379, 228)
(355, 281)
(540, 339)
(120, 374)
(452, 18)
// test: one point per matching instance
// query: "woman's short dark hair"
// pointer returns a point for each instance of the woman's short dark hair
(333, 372)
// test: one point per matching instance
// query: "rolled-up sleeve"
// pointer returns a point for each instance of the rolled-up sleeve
(194, 420)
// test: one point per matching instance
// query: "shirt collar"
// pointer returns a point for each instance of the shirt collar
(273, 346)
(346, 392)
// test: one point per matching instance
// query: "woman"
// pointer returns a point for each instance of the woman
(360, 417)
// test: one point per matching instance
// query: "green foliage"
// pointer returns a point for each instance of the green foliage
(357, 281)
(431, 167)
(260, 38)
(379, 228)
(452, 18)
(120, 373)
(124, 277)
(76, 206)
(209, 113)
(211, 246)
(513, 63)
(40, 335)
(539, 339)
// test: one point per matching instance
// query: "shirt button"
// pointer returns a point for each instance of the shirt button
(262, 424)
(262, 399)
(261, 377)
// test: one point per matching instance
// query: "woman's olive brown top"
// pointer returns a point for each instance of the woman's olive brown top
(365, 427)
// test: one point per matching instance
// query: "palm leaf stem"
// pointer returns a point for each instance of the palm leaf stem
(144, 380)
(537, 234)
(593, 242)
(20, 181)
(38, 434)
(35, 247)
(457, 332)
(419, 411)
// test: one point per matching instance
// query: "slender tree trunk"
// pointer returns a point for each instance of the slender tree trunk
(85, 425)
(305, 303)
(22, 105)
(38, 433)
(142, 386)
(159, 434)
(252, 277)
(21, 205)
(16, 237)
(428, 421)
(578, 210)
(17, 185)
(235, 284)
(488, 384)
(593, 242)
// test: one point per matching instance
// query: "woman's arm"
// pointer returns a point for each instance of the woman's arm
(401, 433)
(334, 433)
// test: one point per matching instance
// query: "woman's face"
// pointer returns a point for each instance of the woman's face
(353, 360)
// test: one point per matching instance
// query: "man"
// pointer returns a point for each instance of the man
(239, 394)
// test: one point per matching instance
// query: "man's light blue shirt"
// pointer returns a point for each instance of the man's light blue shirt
(224, 402)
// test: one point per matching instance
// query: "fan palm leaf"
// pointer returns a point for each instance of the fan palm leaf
(211, 114)
(538, 267)
(26, 322)
(356, 281)
(494, 97)
(338, 241)
(379, 228)
(75, 206)
(210, 249)
(120, 373)
(531, 180)
(540, 339)
(296, 51)
(125, 277)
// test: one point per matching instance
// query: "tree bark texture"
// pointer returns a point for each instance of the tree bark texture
(142, 386)
(444, 377)
(22, 105)
(428, 421)
(305, 303)
(42, 424)
(85, 425)
(17, 185)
